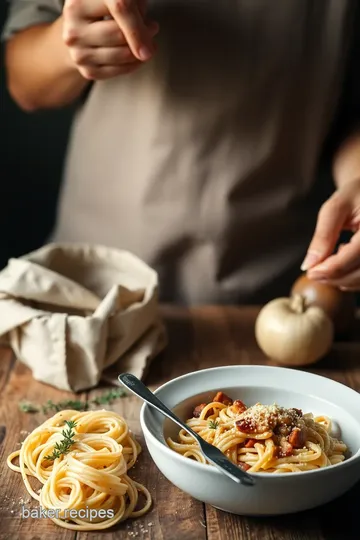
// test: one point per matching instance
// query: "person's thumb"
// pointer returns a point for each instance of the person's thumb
(331, 219)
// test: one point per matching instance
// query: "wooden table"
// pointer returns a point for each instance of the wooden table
(199, 338)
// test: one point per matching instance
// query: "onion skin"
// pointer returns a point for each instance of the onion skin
(339, 305)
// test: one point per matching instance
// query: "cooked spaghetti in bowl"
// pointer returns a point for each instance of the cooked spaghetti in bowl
(280, 490)
(261, 438)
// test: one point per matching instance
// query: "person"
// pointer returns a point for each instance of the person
(202, 135)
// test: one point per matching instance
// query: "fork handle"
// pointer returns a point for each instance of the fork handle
(138, 388)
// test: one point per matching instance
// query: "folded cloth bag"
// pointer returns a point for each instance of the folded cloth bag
(70, 311)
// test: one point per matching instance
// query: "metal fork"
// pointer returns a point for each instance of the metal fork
(210, 452)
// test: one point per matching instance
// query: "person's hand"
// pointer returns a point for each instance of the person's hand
(340, 212)
(107, 38)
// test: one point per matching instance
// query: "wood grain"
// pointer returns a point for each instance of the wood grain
(222, 526)
(21, 386)
(7, 362)
(198, 338)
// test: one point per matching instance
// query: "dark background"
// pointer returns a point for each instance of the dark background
(31, 157)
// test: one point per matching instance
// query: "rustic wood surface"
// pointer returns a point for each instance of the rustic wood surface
(199, 338)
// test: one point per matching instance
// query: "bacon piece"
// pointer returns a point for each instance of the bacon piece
(246, 425)
(244, 466)
(220, 397)
(198, 410)
(250, 443)
(238, 406)
(286, 448)
(297, 438)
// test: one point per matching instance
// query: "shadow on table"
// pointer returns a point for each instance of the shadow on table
(337, 520)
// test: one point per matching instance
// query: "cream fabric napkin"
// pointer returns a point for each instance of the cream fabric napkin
(77, 313)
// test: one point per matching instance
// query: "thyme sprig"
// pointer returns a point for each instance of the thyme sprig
(50, 406)
(26, 406)
(109, 397)
(213, 424)
(63, 447)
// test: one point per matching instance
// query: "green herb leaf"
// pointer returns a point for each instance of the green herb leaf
(213, 424)
(26, 406)
(77, 405)
(109, 397)
(63, 447)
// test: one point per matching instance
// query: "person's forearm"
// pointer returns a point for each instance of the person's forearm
(40, 72)
(346, 166)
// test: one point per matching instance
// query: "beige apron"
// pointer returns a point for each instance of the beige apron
(203, 162)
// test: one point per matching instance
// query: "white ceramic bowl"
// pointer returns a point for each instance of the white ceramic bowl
(273, 494)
